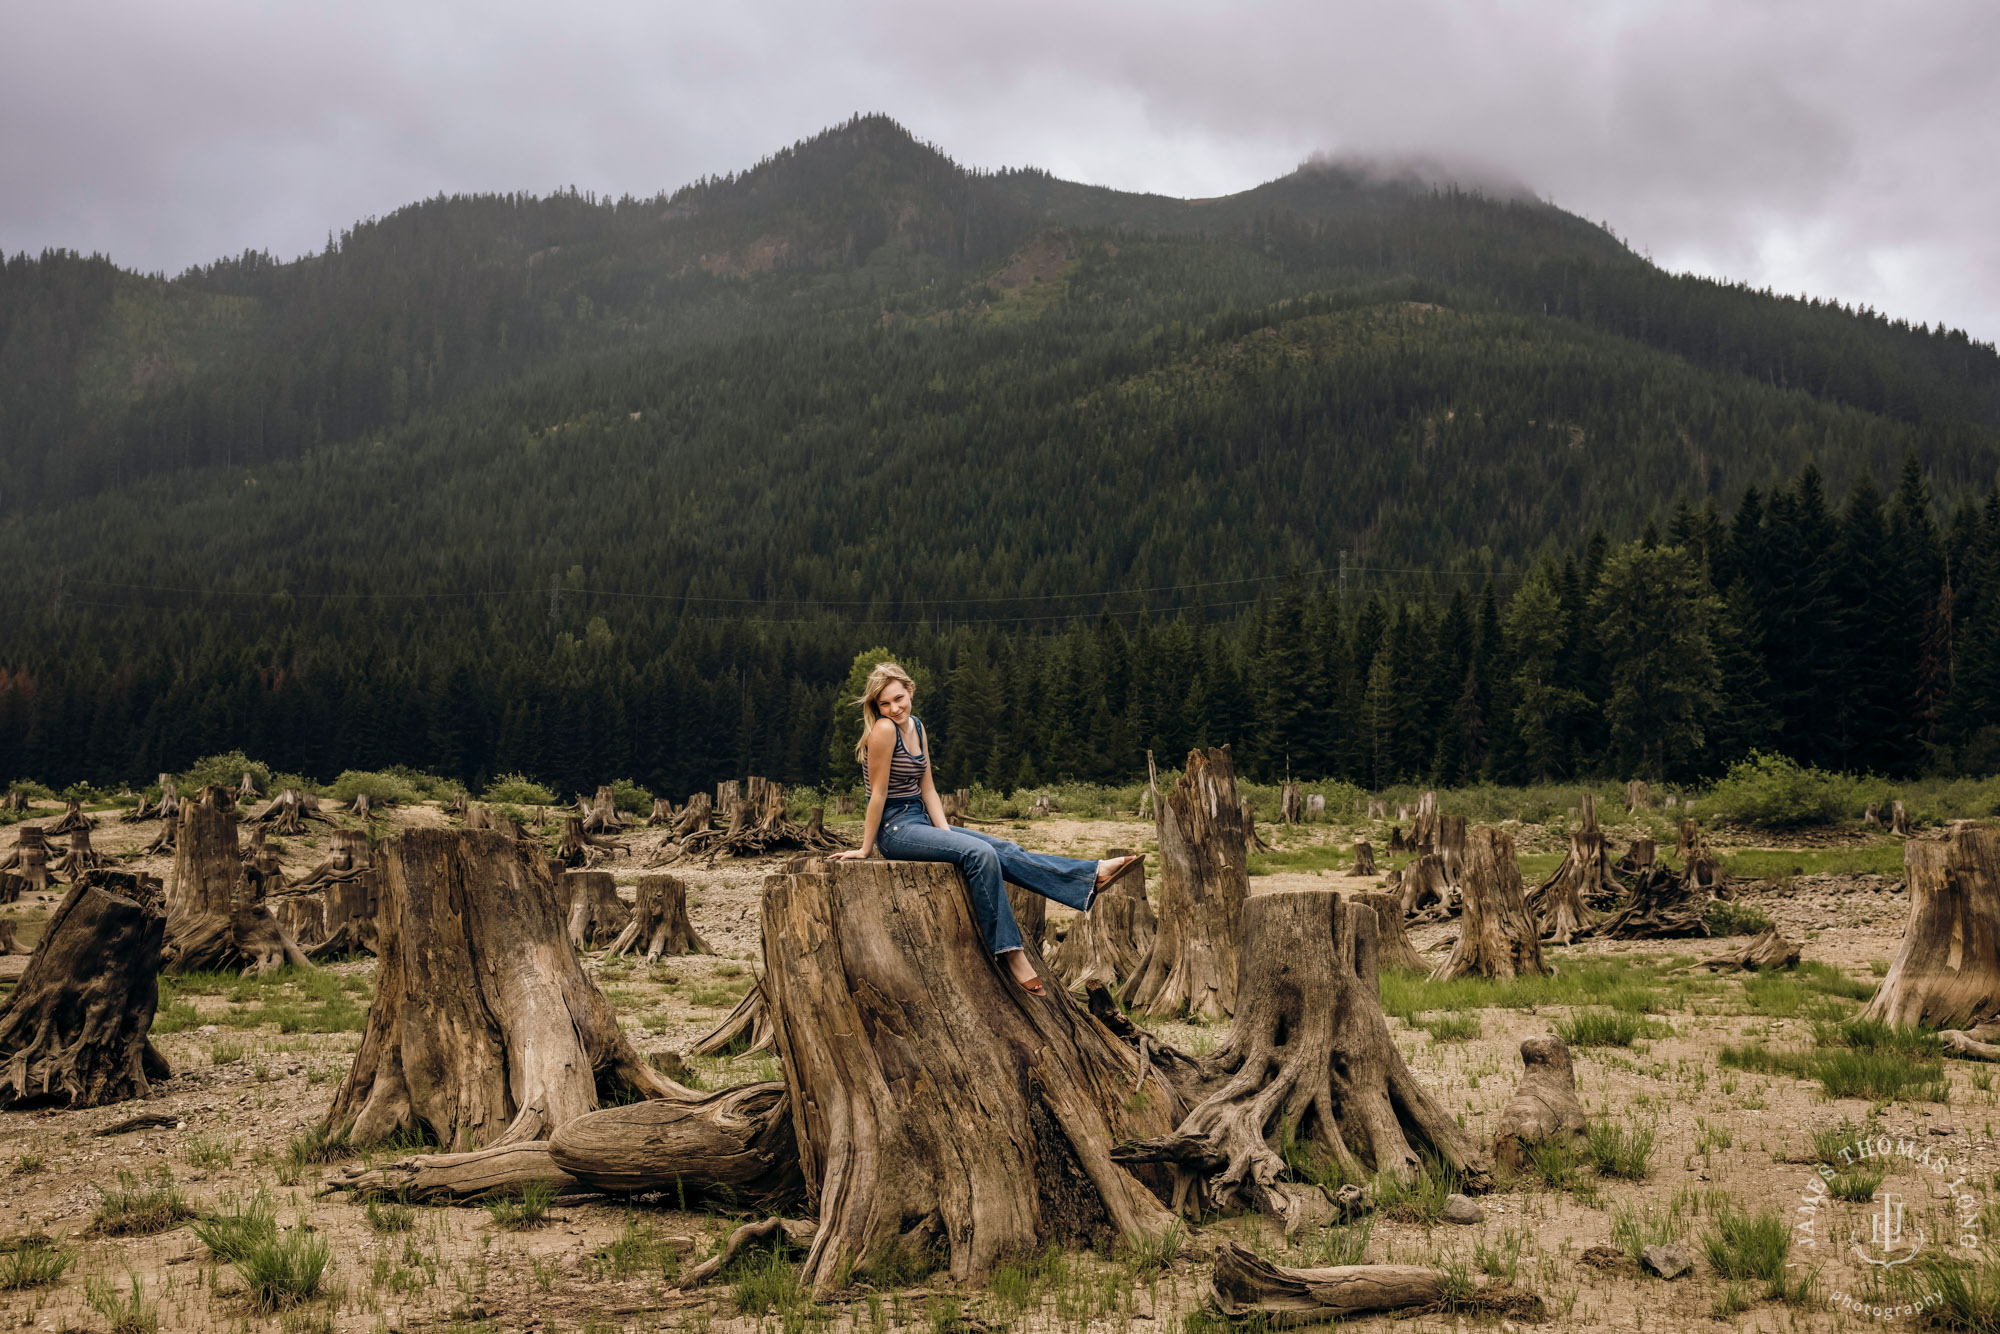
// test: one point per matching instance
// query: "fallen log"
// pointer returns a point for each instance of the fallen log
(735, 1148)
(444, 1178)
(1767, 952)
(1246, 1287)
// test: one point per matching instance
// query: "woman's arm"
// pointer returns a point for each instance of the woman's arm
(881, 747)
(931, 802)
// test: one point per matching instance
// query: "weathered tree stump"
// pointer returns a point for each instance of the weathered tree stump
(216, 917)
(1110, 942)
(1637, 796)
(1031, 915)
(74, 1028)
(347, 858)
(1378, 809)
(1252, 840)
(29, 859)
(1562, 903)
(604, 816)
(81, 859)
(363, 806)
(695, 817)
(302, 917)
(1498, 935)
(923, 1081)
(1204, 879)
(746, 1030)
(484, 1030)
(1899, 820)
(1291, 803)
(727, 795)
(844, 804)
(1664, 906)
(1309, 1055)
(1872, 816)
(72, 819)
(1393, 943)
(1316, 807)
(1767, 952)
(1424, 826)
(347, 911)
(735, 1148)
(663, 814)
(1364, 859)
(659, 922)
(1946, 973)
(1544, 1108)
(1640, 855)
(9, 942)
(1424, 888)
(17, 800)
(247, 789)
(596, 914)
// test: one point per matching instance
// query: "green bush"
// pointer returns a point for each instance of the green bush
(1725, 917)
(231, 1236)
(224, 770)
(30, 789)
(629, 797)
(34, 1263)
(518, 789)
(1773, 792)
(381, 787)
(285, 1268)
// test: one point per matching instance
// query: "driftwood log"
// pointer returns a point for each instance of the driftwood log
(74, 1029)
(1544, 1108)
(1946, 973)
(1309, 1055)
(216, 915)
(484, 1031)
(1245, 1286)
(928, 1090)
(746, 1030)
(1204, 879)
(1109, 943)
(735, 1148)
(659, 922)
(1767, 952)
(595, 913)
(1498, 936)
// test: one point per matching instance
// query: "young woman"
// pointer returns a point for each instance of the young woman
(906, 821)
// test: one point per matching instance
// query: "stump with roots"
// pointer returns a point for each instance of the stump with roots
(288, 811)
(1424, 826)
(663, 814)
(1665, 905)
(1252, 840)
(1899, 820)
(603, 815)
(758, 824)
(695, 817)
(1364, 859)
(1498, 936)
(1562, 903)
(1108, 944)
(659, 922)
(1424, 888)
(81, 857)
(216, 915)
(347, 916)
(1291, 803)
(1309, 1056)
(745, 1031)
(484, 1031)
(1204, 879)
(29, 859)
(74, 1029)
(1544, 1108)
(72, 819)
(1394, 943)
(1946, 973)
(348, 858)
(735, 1148)
(929, 1091)
(1639, 855)
(595, 913)
(1637, 797)
(1378, 809)
(247, 789)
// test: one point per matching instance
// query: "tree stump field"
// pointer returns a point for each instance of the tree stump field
(578, 1069)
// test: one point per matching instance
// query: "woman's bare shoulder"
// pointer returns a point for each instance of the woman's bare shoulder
(882, 730)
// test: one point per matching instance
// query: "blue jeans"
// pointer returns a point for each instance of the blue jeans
(907, 835)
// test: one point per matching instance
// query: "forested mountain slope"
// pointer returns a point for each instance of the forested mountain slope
(509, 458)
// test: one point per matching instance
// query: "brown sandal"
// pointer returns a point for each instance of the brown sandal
(1133, 862)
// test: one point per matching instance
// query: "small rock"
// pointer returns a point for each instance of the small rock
(207, 1029)
(1943, 1130)
(1667, 1261)
(1459, 1209)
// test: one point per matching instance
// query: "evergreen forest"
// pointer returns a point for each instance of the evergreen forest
(1368, 478)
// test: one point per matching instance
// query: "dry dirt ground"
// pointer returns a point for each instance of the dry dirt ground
(257, 1062)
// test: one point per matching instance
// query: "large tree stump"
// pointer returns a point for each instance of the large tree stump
(1498, 936)
(1309, 1055)
(1640, 854)
(348, 858)
(348, 907)
(1544, 1108)
(1899, 820)
(1204, 879)
(1291, 803)
(1562, 902)
(1425, 888)
(1031, 915)
(72, 819)
(1424, 826)
(663, 814)
(604, 816)
(1664, 906)
(1946, 973)
(596, 914)
(74, 1028)
(1394, 945)
(303, 918)
(31, 859)
(1109, 943)
(1364, 859)
(735, 1148)
(484, 1030)
(659, 922)
(216, 916)
(247, 789)
(695, 817)
(924, 1081)
(81, 859)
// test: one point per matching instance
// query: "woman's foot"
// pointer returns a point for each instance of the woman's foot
(1113, 869)
(1023, 972)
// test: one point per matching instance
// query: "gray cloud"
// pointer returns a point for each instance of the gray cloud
(1838, 147)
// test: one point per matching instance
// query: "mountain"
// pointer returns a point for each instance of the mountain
(855, 392)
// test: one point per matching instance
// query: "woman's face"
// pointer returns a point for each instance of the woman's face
(894, 702)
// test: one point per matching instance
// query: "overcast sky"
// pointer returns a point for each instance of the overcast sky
(1842, 148)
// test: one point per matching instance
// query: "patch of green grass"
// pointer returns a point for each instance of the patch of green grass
(284, 1269)
(1555, 1163)
(1855, 1186)
(765, 1281)
(1634, 1227)
(1967, 1295)
(208, 1152)
(1740, 1245)
(1150, 1255)
(1502, 1260)
(1806, 987)
(1452, 1027)
(1881, 1076)
(136, 1208)
(175, 1016)
(526, 1209)
(231, 1236)
(315, 1148)
(34, 1264)
(638, 1250)
(1884, 858)
(1307, 859)
(1874, 1035)
(126, 1313)
(387, 1216)
(225, 1053)
(1600, 1028)
(1726, 917)
(1616, 982)
(1422, 1198)
(1616, 1150)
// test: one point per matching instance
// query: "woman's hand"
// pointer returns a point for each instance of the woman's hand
(852, 854)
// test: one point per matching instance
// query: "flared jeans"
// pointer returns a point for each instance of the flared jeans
(989, 864)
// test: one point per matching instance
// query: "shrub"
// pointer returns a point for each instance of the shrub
(1728, 918)
(136, 1209)
(34, 1263)
(380, 787)
(518, 790)
(224, 770)
(231, 1236)
(30, 789)
(629, 797)
(285, 1268)
(1773, 792)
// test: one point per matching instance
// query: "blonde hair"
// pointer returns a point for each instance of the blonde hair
(878, 681)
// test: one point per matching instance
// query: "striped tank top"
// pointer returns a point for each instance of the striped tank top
(906, 771)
